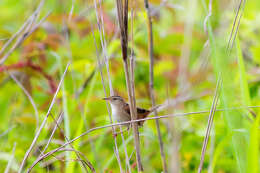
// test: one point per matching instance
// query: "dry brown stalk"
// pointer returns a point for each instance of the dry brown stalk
(122, 12)
(133, 116)
(151, 84)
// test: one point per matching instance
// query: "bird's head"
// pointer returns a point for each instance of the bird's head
(115, 100)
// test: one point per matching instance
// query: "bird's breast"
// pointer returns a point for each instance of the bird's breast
(119, 114)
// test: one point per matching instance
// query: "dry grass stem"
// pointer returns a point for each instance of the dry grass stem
(25, 31)
(85, 160)
(132, 121)
(60, 118)
(151, 84)
(116, 151)
(236, 24)
(28, 21)
(101, 30)
(71, 10)
(210, 122)
(43, 123)
(133, 112)
(125, 149)
(14, 35)
(67, 139)
(26, 34)
(174, 159)
(122, 13)
(207, 17)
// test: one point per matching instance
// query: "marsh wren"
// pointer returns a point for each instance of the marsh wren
(121, 110)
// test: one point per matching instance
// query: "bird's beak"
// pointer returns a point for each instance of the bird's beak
(106, 98)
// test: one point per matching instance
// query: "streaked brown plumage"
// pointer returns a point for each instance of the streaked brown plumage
(141, 113)
(121, 110)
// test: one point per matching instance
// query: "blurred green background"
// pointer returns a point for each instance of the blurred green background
(188, 61)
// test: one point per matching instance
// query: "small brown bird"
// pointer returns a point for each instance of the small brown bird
(121, 110)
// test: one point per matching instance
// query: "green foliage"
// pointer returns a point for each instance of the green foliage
(178, 32)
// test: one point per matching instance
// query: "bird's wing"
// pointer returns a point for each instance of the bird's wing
(127, 108)
(141, 113)
(139, 110)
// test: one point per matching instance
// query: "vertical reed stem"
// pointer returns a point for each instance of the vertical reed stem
(151, 84)
(133, 112)
(122, 11)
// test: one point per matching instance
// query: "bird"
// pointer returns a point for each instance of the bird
(121, 110)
